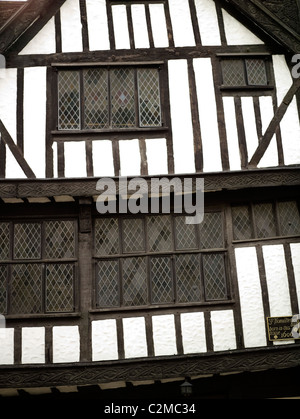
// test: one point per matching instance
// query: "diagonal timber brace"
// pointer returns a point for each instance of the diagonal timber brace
(271, 130)
(5, 136)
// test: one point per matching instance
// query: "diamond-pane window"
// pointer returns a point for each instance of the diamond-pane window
(161, 280)
(256, 72)
(241, 223)
(233, 73)
(149, 98)
(26, 289)
(27, 241)
(96, 98)
(59, 287)
(185, 234)
(106, 236)
(60, 239)
(122, 98)
(68, 100)
(188, 278)
(134, 281)
(133, 235)
(3, 285)
(242, 72)
(289, 218)
(214, 276)
(159, 233)
(211, 231)
(108, 283)
(265, 220)
(4, 241)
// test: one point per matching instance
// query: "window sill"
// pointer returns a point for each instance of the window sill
(246, 88)
(42, 316)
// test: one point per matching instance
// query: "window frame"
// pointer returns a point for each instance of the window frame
(267, 58)
(171, 254)
(43, 261)
(149, 130)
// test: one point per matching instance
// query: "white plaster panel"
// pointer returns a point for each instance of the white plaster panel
(237, 33)
(141, 38)
(250, 125)
(232, 134)
(250, 297)
(103, 158)
(8, 100)
(43, 42)
(157, 157)
(33, 345)
(71, 34)
(290, 127)
(97, 25)
(277, 280)
(159, 25)
(164, 335)
(75, 159)
(193, 333)
(208, 22)
(208, 115)
(130, 158)
(6, 346)
(104, 340)
(135, 342)
(182, 128)
(13, 169)
(121, 27)
(295, 251)
(181, 23)
(35, 118)
(270, 158)
(223, 330)
(66, 344)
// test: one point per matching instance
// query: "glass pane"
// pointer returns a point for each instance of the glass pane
(133, 235)
(265, 221)
(211, 231)
(59, 288)
(134, 281)
(108, 283)
(214, 276)
(68, 100)
(149, 97)
(159, 233)
(185, 234)
(27, 241)
(60, 239)
(188, 278)
(241, 223)
(3, 284)
(233, 73)
(122, 98)
(4, 241)
(106, 236)
(256, 72)
(289, 218)
(96, 98)
(26, 289)
(161, 280)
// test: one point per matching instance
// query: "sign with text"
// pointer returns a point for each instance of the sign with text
(282, 328)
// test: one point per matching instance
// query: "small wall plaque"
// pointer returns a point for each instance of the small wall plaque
(281, 328)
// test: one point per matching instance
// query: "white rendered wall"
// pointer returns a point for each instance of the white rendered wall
(270, 158)
(182, 129)
(157, 157)
(6, 346)
(103, 158)
(8, 100)
(130, 158)
(121, 27)
(290, 127)
(135, 342)
(97, 25)
(223, 330)
(250, 297)
(35, 118)
(159, 25)
(66, 344)
(71, 34)
(236, 33)
(164, 336)
(75, 159)
(208, 22)
(193, 333)
(141, 39)
(295, 251)
(33, 345)
(181, 23)
(232, 134)
(104, 340)
(208, 115)
(43, 42)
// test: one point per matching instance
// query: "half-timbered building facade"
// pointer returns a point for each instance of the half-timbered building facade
(152, 89)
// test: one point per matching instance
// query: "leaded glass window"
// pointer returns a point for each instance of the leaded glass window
(100, 98)
(159, 259)
(37, 267)
(242, 72)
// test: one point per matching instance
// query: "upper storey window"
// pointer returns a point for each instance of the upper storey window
(109, 98)
(252, 72)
